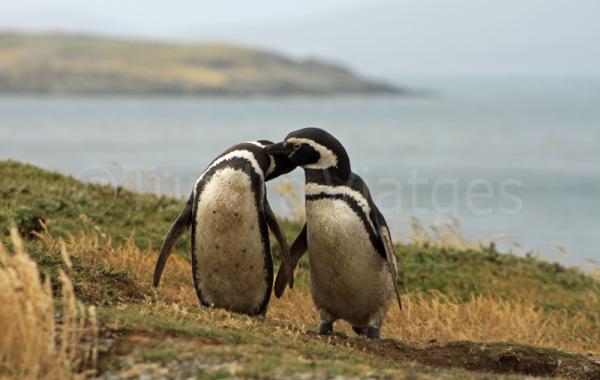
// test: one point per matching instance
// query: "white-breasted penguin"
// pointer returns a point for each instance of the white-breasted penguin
(351, 255)
(230, 216)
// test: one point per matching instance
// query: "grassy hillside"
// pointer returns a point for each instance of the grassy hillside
(70, 64)
(464, 310)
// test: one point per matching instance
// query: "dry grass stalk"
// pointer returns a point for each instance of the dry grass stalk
(443, 233)
(33, 345)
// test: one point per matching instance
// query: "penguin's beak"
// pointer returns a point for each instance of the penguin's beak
(277, 149)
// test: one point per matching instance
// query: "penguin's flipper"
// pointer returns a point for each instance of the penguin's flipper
(181, 224)
(390, 256)
(296, 251)
(286, 259)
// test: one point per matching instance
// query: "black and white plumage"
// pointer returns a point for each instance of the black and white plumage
(351, 256)
(230, 216)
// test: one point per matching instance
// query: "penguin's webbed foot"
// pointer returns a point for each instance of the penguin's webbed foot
(373, 332)
(326, 328)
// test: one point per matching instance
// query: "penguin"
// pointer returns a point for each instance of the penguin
(230, 218)
(351, 256)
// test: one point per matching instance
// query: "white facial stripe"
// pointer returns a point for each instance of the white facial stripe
(328, 158)
(243, 154)
(258, 144)
(315, 188)
(272, 160)
(271, 165)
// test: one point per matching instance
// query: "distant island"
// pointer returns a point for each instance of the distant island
(77, 64)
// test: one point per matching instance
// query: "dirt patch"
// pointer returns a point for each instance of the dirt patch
(160, 355)
(164, 355)
(497, 357)
(114, 343)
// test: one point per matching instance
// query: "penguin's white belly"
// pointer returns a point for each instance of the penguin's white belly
(349, 278)
(229, 248)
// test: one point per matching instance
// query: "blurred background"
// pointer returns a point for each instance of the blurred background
(484, 112)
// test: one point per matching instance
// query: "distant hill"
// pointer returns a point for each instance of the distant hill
(74, 64)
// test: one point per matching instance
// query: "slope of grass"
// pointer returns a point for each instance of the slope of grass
(55, 63)
(479, 295)
(31, 196)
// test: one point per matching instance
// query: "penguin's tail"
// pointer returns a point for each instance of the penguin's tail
(398, 297)
(181, 224)
(391, 262)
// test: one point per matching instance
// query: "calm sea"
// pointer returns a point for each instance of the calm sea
(514, 156)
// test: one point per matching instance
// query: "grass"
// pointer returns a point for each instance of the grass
(33, 345)
(485, 272)
(455, 292)
(218, 343)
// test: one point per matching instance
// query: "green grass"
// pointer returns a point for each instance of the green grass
(65, 205)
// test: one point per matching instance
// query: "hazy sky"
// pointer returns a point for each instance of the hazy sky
(390, 39)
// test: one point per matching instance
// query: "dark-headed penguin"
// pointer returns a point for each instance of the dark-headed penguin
(230, 216)
(351, 256)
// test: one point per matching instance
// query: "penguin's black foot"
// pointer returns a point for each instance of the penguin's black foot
(326, 328)
(360, 330)
(373, 332)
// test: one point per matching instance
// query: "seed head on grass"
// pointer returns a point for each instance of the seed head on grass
(33, 344)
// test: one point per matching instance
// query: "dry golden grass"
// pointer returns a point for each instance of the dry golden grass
(33, 344)
(428, 317)
(424, 317)
(176, 283)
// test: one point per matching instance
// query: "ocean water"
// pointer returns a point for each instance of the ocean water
(514, 156)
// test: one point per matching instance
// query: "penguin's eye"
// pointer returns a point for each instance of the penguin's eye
(297, 146)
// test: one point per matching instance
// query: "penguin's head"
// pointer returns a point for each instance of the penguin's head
(280, 164)
(312, 148)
